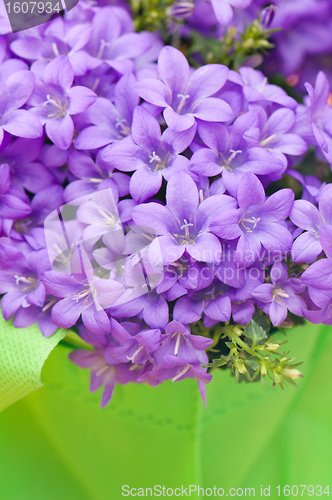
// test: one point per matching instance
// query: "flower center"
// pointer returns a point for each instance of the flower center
(123, 128)
(109, 220)
(183, 99)
(252, 220)
(56, 108)
(227, 163)
(31, 282)
(278, 293)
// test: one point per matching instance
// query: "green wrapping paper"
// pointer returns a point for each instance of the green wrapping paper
(57, 443)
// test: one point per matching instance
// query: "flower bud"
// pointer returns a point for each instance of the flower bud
(181, 10)
(292, 373)
(272, 347)
(267, 16)
(263, 370)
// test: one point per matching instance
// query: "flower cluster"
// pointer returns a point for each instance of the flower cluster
(140, 198)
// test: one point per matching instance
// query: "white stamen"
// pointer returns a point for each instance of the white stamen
(177, 344)
(174, 379)
(135, 353)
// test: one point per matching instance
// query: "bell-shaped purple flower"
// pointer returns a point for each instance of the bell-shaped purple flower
(54, 100)
(186, 95)
(152, 155)
(101, 373)
(282, 295)
(183, 224)
(82, 293)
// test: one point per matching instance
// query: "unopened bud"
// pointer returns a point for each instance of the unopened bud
(237, 331)
(292, 373)
(272, 347)
(241, 368)
(267, 16)
(263, 370)
(181, 10)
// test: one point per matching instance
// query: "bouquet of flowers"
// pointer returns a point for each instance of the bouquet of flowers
(162, 201)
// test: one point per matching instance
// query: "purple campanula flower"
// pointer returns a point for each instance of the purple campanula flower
(93, 176)
(267, 16)
(177, 368)
(54, 100)
(59, 38)
(27, 316)
(223, 9)
(101, 373)
(319, 274)
(281, 295)
(307, 246)
(21, 279)
(110, 122)
(112, 43)
(11, 206)
(321, 114)
(135, 348)
(22, 155)
(229, 153)
(152, 155)
(31, 228)
(15, 91)
(186, 95)
(183, 224)
(82, 293)
(274, 134)
(257, 90)
(260, 221)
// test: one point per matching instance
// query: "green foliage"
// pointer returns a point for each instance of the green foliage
(252, 353)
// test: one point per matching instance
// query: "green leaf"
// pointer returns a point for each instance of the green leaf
(254, 332)
(262, 320)
(223, 360)
(252, 362)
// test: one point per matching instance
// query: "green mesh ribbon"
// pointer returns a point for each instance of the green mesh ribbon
(23, 352)
(57, 443)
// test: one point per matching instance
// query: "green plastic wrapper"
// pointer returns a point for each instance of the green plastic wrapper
(56, 443)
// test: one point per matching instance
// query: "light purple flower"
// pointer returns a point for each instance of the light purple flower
(101, 373)
(183, 224)
(152, 155)
(185, 95)
(82, 293)
(281, 295)
(54, 100)
(15, 91)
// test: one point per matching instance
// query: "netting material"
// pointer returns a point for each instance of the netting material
(23, 352)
